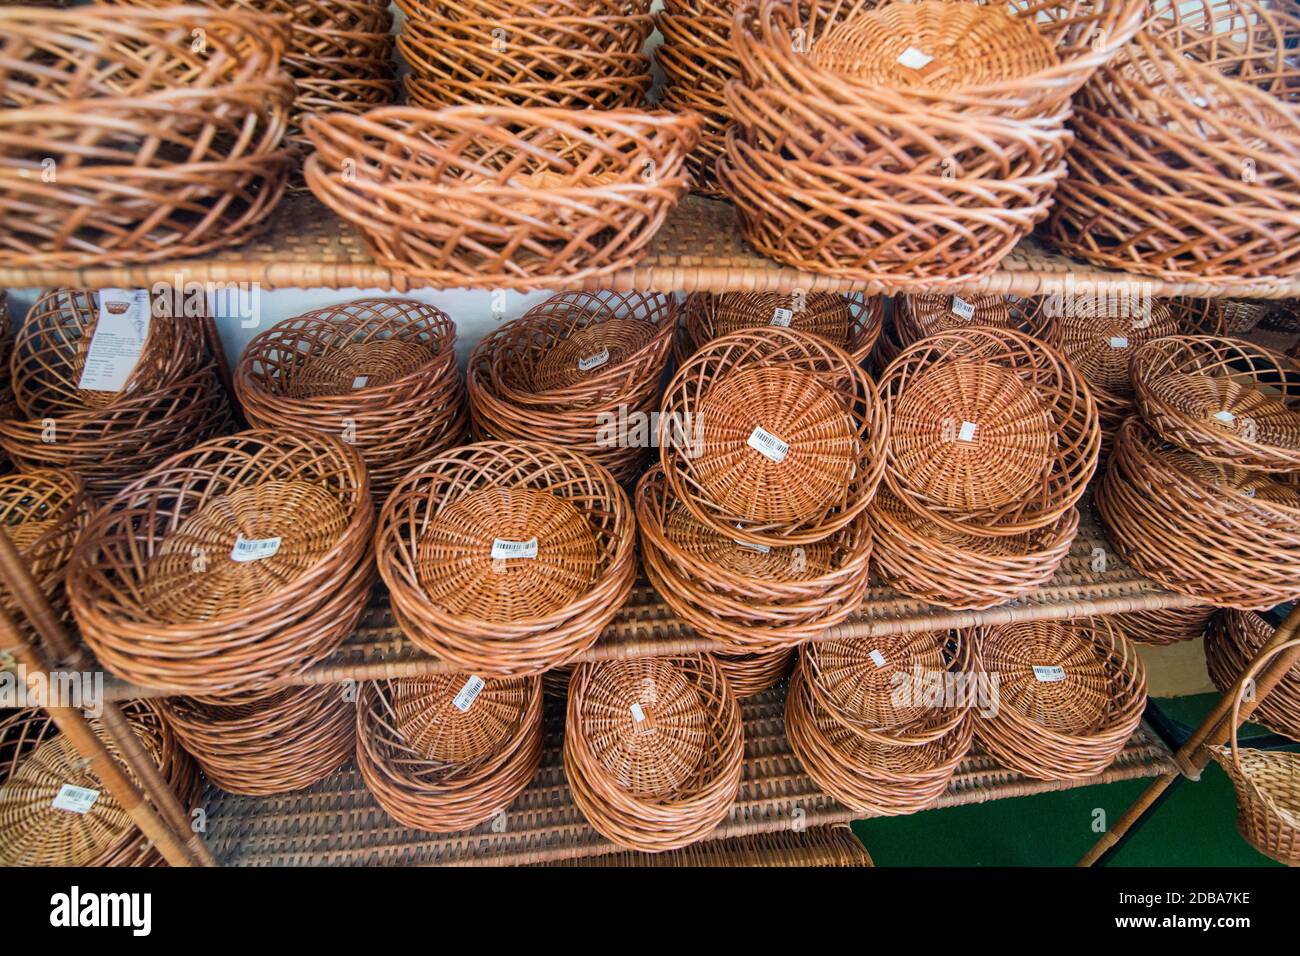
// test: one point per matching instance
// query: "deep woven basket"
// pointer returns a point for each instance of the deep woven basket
(653, 749)
(1233, 640)
(852, 323)
(502, 197)
(43, 511)
(507, 615)
(437, 765)
(380, 373)
(165, 594)
(812, 407)
(1070, 695)
(1163, 626)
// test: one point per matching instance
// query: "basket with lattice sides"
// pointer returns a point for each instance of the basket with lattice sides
(853, 322)
(502, 197)
(772, 436)
(42, 774)
(1069, 696)
(229, 567)
(653, 749)
(1233, 640)
(380, 373)
(43, 511)
(507, 558)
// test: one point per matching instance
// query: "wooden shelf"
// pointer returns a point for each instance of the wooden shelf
(698, 248)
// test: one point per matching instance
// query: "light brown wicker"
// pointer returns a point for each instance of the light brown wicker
(502, 197)
(43, 511)
(467, 756)
(1070, 695)
(379, 373)
(1233, 640)
(1221, 317)
(806, 404)
(230, 566)
(507, 558)
(1100, 335)
(852, 323)
(653, 749)
(750, 674)
(1170, 625)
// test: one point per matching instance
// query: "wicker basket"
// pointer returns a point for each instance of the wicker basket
(502, 197)
(43, 512)
(1231, 643)
(1227, 400)
(1100, 337)
(1219, 317)
(773, 437)
(447, 544)
(439, 755)
(653, 749)
(228, 567)
(36, 762)
(1070, 695)
(992, 432)
(275, 742)
(1163, 626)
(748, 675)
(381, 373)
(852, 323)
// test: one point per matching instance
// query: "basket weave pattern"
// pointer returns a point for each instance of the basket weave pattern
(1233, 640)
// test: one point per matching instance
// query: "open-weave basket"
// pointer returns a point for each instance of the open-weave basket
(1233, 640)
(43, 511)
(1070, 695)
(777, 387)
(124, 139)
(992, 432)
(161, 598)
(1221, 317)
(433, 763)
(752, 599)
(1162, 626)
(1267, 782)
(381, 373)
(502, 197)
(750, 674)
(852, 323)
(1226, 400)
(507, 615)
(36, 761)
(653, 749)
(275, 742)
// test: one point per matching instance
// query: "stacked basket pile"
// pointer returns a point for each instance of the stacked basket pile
(993, 439)
(7, 407)
(1186, 164)
(43, 511)
(131, 135)
(918, 140)
(920, 315)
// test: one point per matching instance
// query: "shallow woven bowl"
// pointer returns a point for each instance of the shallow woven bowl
(852, 323)
(43, 511)
(1070, 695)
(812, 397)
(992, 432)
(502, 197)
(160, 596)
(1162, 626)
(456, 768)
(1233, 641)
(653, 749)
(507, 616)
(1227, 400)
(1100, 337)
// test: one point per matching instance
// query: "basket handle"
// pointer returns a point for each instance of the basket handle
(1247, 679)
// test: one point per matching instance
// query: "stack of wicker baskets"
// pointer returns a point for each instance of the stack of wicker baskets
(920, 315)
(581, 370)
(7, 407)
(379, 373)
(1186, 164)
(83, 406)
(853, 323)
(1234, 640)
(578, 54)
(130, 135)
(918, 140)
(1161, 626)
(993, 439)
(43, 512)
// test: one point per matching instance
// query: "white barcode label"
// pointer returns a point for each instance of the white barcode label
(782, 317)
(464, 700)
(253, 549)
(637, 713)
(967, 431)
(962, 309)
(914, 59)
(1118, 342)
(502, 548)
(593, 361)
(1226, 417)
(1050, 674)
(120, 334)
(1248, 493)
(74, 799)
(767, 444)
(751, 546)
(360, 381)
(877, 658)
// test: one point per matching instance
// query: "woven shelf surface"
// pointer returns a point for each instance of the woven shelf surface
(699, 248)
(336, 823)
(645, 626)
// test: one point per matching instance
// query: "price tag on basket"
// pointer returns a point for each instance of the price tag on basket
(877, 658)
(75, 799)
(1049, 674)
(920, 62)
(752, 546)
(360, 381)
(501, 548)
(253, 549)
(767, 444)
(1118, 342)
(120, 333)
(962, 309)
(1225, 416)
(637, 713)
(464, 700)
(590, 362)
(966, 432)
(782, 317)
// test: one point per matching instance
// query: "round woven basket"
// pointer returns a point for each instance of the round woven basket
(1220, 317)
(992, 432)
(772, 436)
(274, 742)
(1100, 338)
(1070, 695)
(852, 323)
(507, 558)
(438, 756)
(1170, 625)
(748, 675)
(1226, 400)
(653, 749)
(583, 91)
(43, 512)
(487, 9)
(379, 373)
(230, 566)
(502, 197)
(36, 762)
(1233, 640)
